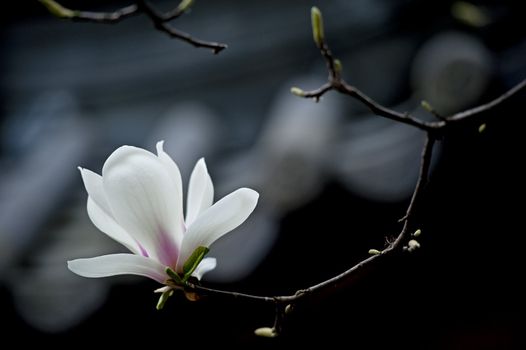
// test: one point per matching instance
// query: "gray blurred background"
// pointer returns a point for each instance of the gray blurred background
(330, 174)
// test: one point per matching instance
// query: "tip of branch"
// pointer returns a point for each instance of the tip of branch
(184, 5)
(297, 91)
(219, 48)
(57, 9)
(317, 26)
(266, 332)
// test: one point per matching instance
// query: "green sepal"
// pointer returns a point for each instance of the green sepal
(174, 276)
(193, 261)
(163, 298)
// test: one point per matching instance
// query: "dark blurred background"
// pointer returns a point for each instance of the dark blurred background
(333, 179)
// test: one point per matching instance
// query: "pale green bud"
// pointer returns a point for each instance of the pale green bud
(266, 332)
(57, 9)
(427, 106)
(337, 65)
(297, 91)
(185, 4)
(374, 251)
(317, 26)
(470, 14)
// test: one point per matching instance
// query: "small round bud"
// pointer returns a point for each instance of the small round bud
(192, 296)
(417, 233)
(427, 106)
(413, 245)
(337, 65)
(482, 127)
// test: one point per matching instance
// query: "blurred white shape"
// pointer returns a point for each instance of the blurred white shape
(293, 150)
(240, 252)
(191, 131)
(451, 71)
(46, 294)
(378, 158)
(47, 141)
(287, 166)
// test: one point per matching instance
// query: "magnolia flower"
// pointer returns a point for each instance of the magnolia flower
(138, 201)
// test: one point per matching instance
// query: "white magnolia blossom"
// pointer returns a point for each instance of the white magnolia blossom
(138, 201)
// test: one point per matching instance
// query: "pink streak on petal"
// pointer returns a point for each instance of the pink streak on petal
(143, 251)
(168, 251)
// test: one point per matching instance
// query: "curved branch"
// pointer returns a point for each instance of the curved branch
(106, 17)
(159, 22)
(393, 248)
(473, 112)
(158, 19)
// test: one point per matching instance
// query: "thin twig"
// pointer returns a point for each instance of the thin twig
(106, 17)
(159, 23)
(423, 178)
(159, 19)
(470, 113)
(336, 82)
(432, 129)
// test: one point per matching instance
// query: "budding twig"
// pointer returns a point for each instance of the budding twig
(159, 19)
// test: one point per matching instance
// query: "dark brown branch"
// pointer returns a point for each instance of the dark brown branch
(381, 110)
(106, 17)
(158, 19)
(432, 129)
(336, 82)
(470, 113)
(159, 22)
(402, 237)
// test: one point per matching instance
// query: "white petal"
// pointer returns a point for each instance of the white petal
(173, 170)
(107, 224)
(118, 264)
(220, 218)
(93, 183)
(206, 265)
(144, 201)
(200, 192)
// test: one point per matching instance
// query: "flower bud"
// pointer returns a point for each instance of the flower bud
(57, 9)
(427, 106)
(266, 332)
(374, 251)
(317, 26)
(413, 245)
(192, 296)
(337, 65)
(185, 4)
(297, 91)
